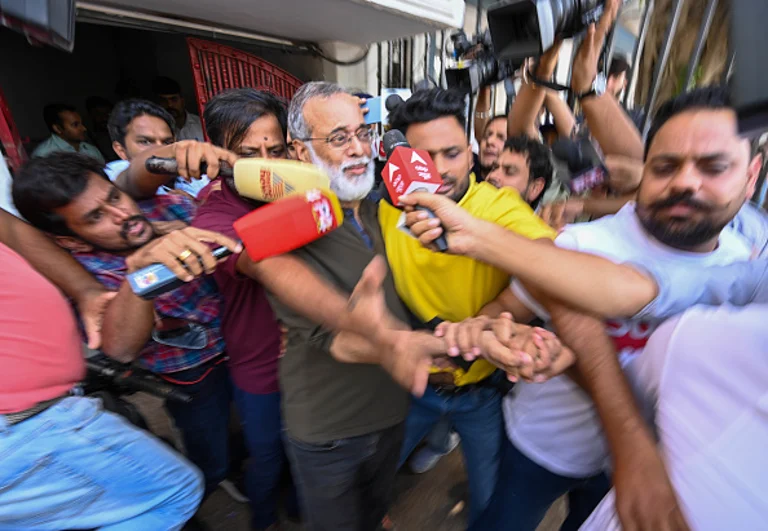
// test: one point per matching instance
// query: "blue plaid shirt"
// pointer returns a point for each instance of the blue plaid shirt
(195, 302)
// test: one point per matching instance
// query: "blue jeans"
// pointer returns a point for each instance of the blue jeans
(262, 426)
(204, 422)
(76, 466)
(525, 492)
(346, 484)
(476, 416)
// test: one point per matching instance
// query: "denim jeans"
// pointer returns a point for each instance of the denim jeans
(525, 492)
(204, 422)
(346, 484)
(477, 417)
(76, 466)
(262, 425)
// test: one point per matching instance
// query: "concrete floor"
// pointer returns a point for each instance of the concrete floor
(427, 502)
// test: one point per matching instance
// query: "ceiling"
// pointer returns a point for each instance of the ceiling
(352, 21)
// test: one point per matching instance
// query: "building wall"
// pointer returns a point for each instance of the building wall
(32, 77)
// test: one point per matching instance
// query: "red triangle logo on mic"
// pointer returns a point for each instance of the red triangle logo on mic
(410, 170)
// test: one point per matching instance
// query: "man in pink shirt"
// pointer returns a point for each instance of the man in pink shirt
(65, 463)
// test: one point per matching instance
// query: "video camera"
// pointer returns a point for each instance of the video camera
(527, 28)
(105, 373)
(476, 64)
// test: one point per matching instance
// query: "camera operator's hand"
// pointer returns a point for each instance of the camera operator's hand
(460, 227)
(584, 70)
(189, 154)
(183, 251)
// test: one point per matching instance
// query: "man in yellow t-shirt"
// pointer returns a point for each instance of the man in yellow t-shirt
(438, 286)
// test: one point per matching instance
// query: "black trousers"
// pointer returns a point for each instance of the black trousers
(346, 484)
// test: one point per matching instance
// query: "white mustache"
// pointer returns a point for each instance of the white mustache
(363, 161)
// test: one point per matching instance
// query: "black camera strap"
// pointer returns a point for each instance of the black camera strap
(546, 84)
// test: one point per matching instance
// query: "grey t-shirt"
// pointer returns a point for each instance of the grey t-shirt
(325, 400)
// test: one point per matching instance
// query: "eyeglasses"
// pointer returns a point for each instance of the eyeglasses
(342, 139)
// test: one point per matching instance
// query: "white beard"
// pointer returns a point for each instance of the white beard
(344, 187)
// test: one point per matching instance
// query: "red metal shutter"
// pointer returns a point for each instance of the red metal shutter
(217, 67)
(9, 136)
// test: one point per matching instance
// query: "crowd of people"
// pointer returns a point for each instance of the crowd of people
(617, 361)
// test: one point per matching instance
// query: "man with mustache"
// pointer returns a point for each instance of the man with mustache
(440, 287)
(178, 334)
(697, 176)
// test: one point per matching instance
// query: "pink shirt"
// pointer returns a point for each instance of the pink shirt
(41, 354)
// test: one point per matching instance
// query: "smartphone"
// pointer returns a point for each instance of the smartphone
(374, 106)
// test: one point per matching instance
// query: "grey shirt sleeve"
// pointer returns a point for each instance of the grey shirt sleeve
(738, 284)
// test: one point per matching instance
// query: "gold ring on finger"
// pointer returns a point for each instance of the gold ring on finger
(186, 253)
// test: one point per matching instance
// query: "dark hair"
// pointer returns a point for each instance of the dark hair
(714, 98)
(493, 119)
(538, 157)
(165, 85)
(52, 182)
(52, 111)
(427, 105)
(94, 102)
(229, 114)
(619, 65)
(124, 113)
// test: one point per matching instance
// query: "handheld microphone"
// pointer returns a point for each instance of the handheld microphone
(288, 224)
(263, 180)
(154, 280)
(584, 164)
(410, 170)
(392, 102)
(270, 230)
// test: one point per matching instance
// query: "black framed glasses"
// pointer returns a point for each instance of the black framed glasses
(341, 139)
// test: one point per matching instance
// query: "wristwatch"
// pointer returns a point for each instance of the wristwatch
(598, 88)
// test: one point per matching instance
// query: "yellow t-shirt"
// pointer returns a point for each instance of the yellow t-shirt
(452, 287)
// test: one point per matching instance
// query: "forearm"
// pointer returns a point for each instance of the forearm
(125, 342)
(348, 347)
(45, 256)
(601, 377)
(297, 286)
(482, 112)
(561, 113)
(587, 282)
(525, 109)
(139, 183)
(605, 206)
(611, 127)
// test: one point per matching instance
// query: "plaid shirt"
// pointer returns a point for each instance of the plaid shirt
(195, 302)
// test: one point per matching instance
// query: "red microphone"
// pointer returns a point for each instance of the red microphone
(272, 229)
(289, 223)
(410, 170)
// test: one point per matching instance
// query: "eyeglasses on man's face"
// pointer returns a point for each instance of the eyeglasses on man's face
(341, 139)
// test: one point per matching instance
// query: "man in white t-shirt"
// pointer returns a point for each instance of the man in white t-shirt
(704, 378)
(697, 176)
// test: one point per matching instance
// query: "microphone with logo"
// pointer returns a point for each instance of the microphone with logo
(410, 170)
(270, 230)
(259, 179)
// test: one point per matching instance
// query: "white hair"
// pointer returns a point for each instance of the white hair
(297, 124)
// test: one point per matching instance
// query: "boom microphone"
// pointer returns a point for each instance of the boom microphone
(410, 170)
(270, 230)
(259, 179)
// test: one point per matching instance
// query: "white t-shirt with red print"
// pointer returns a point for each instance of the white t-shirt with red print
(555, 423)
